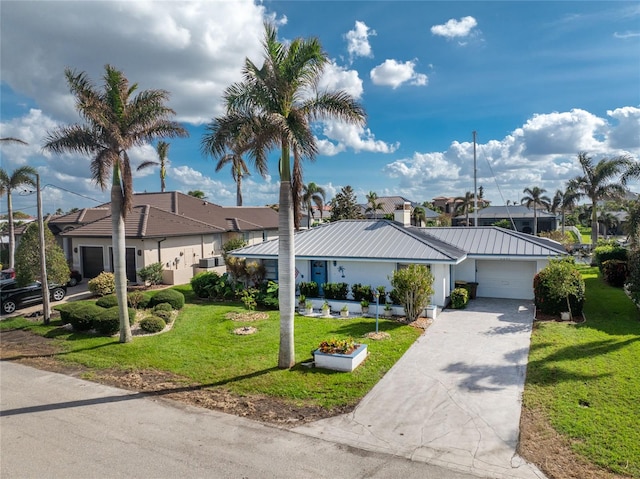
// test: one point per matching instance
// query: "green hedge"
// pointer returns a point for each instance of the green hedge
(459, 298)
(335, 290)
(547, 301)
(309, 289)
(171, 296)
(108, 321)
(152, 324)
(608, 252)
(615, 272)
(109, 301)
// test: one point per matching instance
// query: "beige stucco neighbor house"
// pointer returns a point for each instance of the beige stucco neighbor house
(183, 233)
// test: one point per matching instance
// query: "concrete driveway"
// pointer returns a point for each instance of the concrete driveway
(454, 398)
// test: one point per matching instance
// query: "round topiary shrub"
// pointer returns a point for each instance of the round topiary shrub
(459, 298)
(103, 284)
(83, 316)
(166, 315)
(552, 285)
(108, 321)
(171, 296)
(109, 301)
(67, 310)
(152, 324)
(138, 299)
(163, 307)
(202, 283)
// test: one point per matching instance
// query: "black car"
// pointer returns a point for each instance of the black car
(74, 278)
(13, 297)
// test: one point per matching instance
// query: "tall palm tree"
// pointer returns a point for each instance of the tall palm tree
(564, 201)
(276, 103)
(313, 194)
(115, 121)
(632, 226)
(162, 148)
(373, 205)
(535, 197)
(597, 183)
(25, 175)
(464, 204)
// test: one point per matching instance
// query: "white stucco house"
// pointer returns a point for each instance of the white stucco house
(503, 262)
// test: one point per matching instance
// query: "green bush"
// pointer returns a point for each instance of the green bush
(394, 297)
(615, 272)
(138, 299)
(171, 296)
(166, 315)
(459, 298)
(67, 310)
(607, 252)
(163, 307)
(83, 315)
(108, 301)
(152, 324)
(361, 292)
(108, 320)
(201, 283)
(103, 284)
(414, 287)
(335, 290)
(267, 296)
(634, 270)
(552, 285)
(151, 273)
(310, 289)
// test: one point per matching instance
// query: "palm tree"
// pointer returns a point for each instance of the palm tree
(464, 204)
(196, 194)
(313, 194)
(535, 197)
(12, 140)
(564, 201)
(608, 222)
(22, 176)
(373, 205)
(162, 148)
(419, 215)
(597, 183)
(114, 122)
(274, 102)
(632, 226)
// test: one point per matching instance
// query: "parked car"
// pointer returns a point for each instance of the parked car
(13, 297)
(8, 273)
(74, 278)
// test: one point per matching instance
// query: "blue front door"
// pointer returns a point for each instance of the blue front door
(319, 274)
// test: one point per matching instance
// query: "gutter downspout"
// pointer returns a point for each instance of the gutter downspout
(159, 249)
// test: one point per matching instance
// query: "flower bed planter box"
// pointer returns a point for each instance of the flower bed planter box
(341, 362)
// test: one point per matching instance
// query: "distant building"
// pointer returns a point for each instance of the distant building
(519, 215)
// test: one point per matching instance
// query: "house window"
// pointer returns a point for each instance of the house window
(271, 269)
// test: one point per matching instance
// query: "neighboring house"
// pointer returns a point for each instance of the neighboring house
(182, 232)
(448, 203)
(502, 262)
(520, 215)
(391, 205)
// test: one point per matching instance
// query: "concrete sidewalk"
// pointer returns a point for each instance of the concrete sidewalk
(454, 398)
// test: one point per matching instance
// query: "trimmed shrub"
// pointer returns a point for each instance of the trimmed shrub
(634, 270)
(162, 307)
(361, 292)
(138, 299)
(108, 320)
(166, 315)
(83, 316)
(67, 310)
(414, 286)
(310, 289)
(201, 283)
(553, 284)
(335, 290)
(109, 301)
(615, 272)
(459, 298)
(103, 284)
(607, 252)
(171, 296)
(151, 273)
(152, 324)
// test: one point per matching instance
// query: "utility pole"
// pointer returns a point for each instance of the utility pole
(46, 312)
(475, 181)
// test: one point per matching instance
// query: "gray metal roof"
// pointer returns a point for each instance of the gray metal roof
(494, 241)
(363, 239)
(515, 211)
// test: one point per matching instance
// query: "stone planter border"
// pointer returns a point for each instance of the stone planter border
(341, 362)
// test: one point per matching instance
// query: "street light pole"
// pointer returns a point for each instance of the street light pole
(46, 313)
(377, 295)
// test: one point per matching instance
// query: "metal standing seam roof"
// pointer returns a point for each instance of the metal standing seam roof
(381, 240)
(495, 241)
(515, 211)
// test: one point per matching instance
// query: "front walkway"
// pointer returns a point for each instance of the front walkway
(454, 398)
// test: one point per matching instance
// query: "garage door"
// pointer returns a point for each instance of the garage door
(506, 279)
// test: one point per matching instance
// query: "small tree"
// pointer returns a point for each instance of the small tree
(344, 205)
(28, 257)
(561, 281)
(414, 288)
(151, 273)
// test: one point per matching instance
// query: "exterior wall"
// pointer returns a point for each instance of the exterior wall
(465, 271)
(441, 284)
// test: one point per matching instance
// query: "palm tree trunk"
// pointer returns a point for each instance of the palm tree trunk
(594, 224)
(119, 254)
(562, 213)
(239, 190)
(12, 233)
(535, 220)
(286, 277)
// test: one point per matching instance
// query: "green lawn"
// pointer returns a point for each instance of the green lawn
(585, 377)
(201, 347)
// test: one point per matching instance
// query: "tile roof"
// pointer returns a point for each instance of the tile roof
(363, 239)
(391, 203)
(146, 222)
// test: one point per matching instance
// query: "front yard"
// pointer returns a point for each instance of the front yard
(582, 379)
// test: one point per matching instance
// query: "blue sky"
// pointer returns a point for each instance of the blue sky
(538, 81)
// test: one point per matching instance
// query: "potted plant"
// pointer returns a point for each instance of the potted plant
(364, 304)
(344, 312)
(326, 310)
(309, 307)
(388, 311)
(302, 300)
(340, 354)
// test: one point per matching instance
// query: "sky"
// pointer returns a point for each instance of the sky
(538, 82)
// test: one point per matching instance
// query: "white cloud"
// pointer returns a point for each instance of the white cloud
(455, 28)
(626, 35)
(355, 137)
(393, 73)
(626, 135)
(335, 77)
(358, 41)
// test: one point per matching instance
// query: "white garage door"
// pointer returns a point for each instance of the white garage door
(505, 279)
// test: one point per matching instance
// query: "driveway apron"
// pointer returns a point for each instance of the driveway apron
(454, 398)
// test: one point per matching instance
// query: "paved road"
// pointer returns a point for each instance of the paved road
(55, 426)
